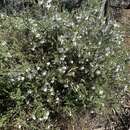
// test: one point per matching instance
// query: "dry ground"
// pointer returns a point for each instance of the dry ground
(125, 20)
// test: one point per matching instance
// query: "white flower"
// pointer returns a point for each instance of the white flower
(90, 43)
(87, 60)
(30, 76)
(70, 113)
(108, 49)
(19, 126)
(27, 102)
(12, 79)
(82, 68)
(107, 54)
(31, 20)
(42, 41)
(48, 5)
(38, 35)
(22, 78)
(64, 67)
(58, 17)
(119, 42)
(49, 126)
(102, 104)
(9, 55)
(46, 115)
(66, 49)
(51, 90)
(101, 92)
(4, 43)
(126, 88)
(89, 53)
(38, 68)
(28, 69)
(61, 50)
(33, 117)
(71, 61)
(92, 112)
(40, 2)
(118, 68)
(2, 15)
(45, 89)
(49, 1)
(116, 25)
(87, 18)
(52, 81)
(61, 39)
(66, 85)
(19, 78)
(57, 100)
(48, 63)
(29, 91)
(74, 43)
(41, 119)
(35, 25)
(34, 30)
(62, 58)
(98, 72)
(99, 43)
(33, 49)
(93, 88)
(44, 73)
(80, 96)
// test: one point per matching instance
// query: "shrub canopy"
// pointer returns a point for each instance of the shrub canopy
(57, 66)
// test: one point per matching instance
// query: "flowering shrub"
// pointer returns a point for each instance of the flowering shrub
(55, 67)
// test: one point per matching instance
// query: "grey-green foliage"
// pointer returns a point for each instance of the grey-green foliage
(52, 68)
